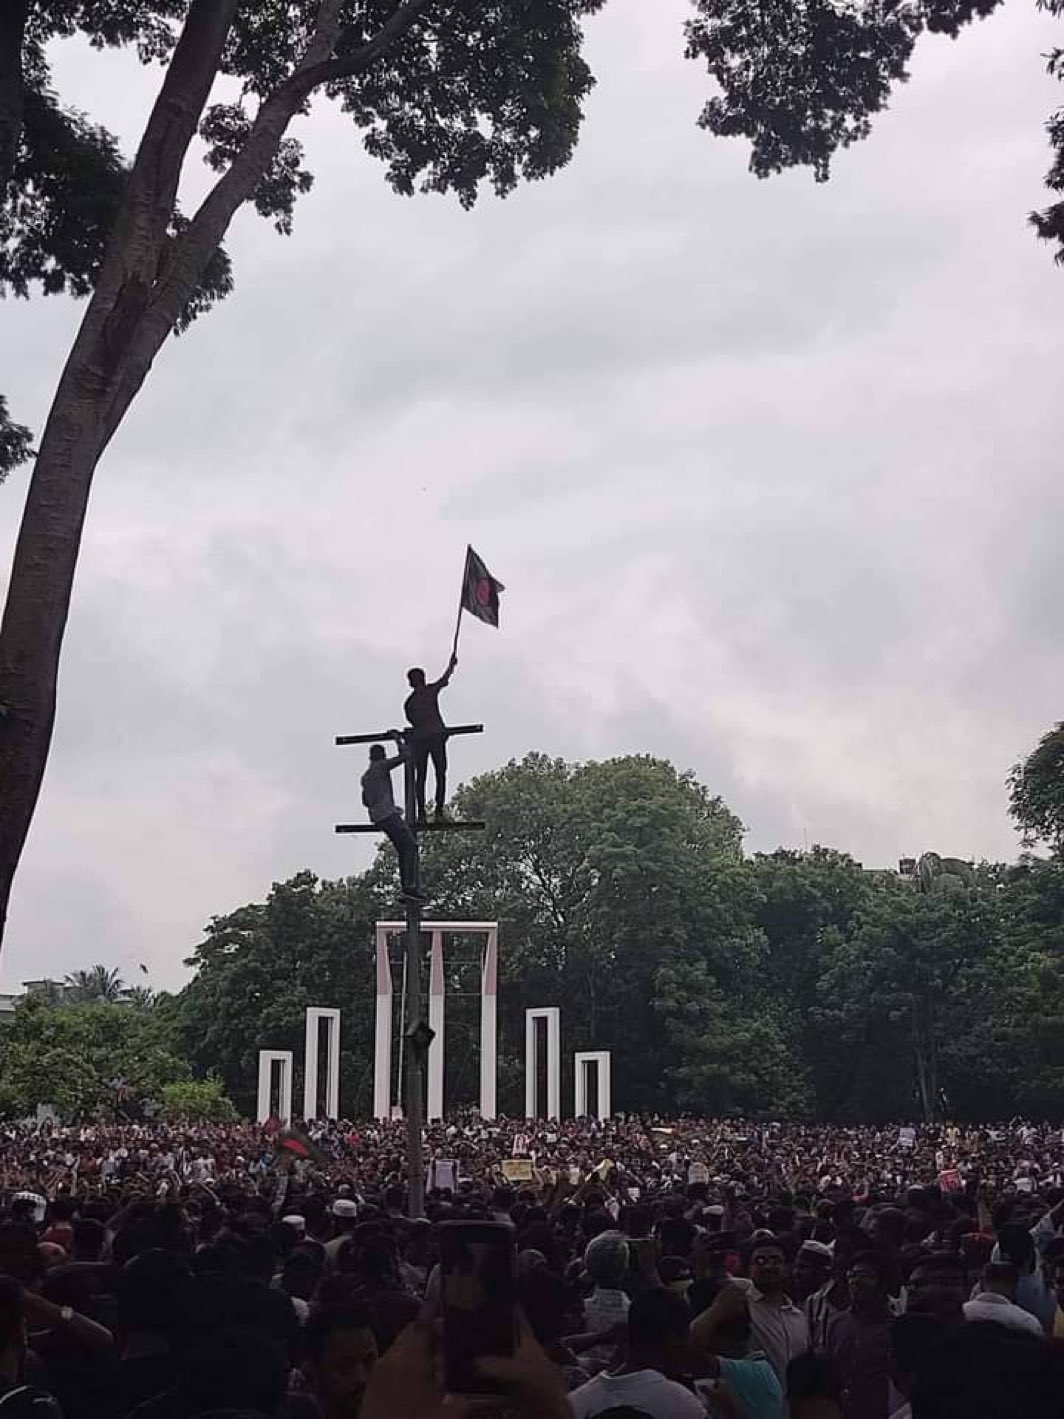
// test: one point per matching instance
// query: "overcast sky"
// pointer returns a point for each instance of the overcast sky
(771, 472)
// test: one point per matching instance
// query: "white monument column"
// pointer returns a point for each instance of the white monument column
(489, 973)
(316, 1017)
(267, 1059)
(436, 1018)
(489, 1026)
(584, 1062)
(552, 1014)
(382, 1039)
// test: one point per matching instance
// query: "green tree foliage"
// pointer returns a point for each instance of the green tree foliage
(141, 996)
(1036, 792)
(197, 1101)
(97, 986)
(891, 992)
(1007, 1054)
(62, 177)
(16, 442)
(806, 907)
(259, 968)
(607, 875)
(790, 983)
(731, 1051)
(80, 1057)
(800, 79)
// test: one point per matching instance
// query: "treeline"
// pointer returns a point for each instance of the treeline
(789, 983)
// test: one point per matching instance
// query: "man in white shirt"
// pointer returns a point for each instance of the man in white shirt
(657, 1345)
(996, 1301)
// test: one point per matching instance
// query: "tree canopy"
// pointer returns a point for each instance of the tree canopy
(84, 1059)
(800, 79)
(62, 177)
(793, 984)
(1036, 791)
(786, 984)
(259, 968)
(98, 986)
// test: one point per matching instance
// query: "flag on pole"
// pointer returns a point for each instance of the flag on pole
(295, 1143)
(480, 590)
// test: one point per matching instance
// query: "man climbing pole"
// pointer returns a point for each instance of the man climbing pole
(428, 734)
(383, 812)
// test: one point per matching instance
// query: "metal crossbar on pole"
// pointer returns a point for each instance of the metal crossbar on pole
(452, 729)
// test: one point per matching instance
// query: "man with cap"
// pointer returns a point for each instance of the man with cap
(345, 1220)
(811, 1270)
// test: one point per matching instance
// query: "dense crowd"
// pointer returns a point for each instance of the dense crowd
(646, 1153)
(665, 1267)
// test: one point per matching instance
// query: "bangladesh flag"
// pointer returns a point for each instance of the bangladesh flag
(480, 590)
(294, 1143)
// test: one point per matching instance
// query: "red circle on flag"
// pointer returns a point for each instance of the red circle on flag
(483, 592)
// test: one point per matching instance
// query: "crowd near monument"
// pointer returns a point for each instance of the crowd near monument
(601, 1262)
(423, 1040)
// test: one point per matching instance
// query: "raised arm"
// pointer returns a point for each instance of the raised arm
(1045, 1229)
(445, 678)
(729, 1302)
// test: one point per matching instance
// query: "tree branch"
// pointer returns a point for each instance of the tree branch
(393, 28)
(131, 263)
(187, 255)
(326, 34)
(12, 32)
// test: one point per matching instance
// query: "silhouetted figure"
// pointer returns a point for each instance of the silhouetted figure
(428, 737)
(380, 803)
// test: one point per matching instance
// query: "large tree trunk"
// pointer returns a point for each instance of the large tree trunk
(78, 427)
(145, 282)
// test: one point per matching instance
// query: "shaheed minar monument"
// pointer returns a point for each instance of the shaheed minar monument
(422, 742)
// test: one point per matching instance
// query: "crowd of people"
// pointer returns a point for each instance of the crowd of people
(664, 1267)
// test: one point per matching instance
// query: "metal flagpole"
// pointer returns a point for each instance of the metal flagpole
(402, 1029)
(461, 602)
(457, 628)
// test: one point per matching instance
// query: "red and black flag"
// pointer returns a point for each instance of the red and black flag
(294, 1143)
(480, 590)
